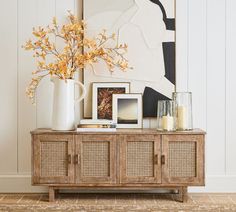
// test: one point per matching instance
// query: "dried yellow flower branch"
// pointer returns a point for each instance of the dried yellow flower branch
(77, 52)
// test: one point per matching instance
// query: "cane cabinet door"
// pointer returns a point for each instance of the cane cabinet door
(52, 159)
(140, 159)
(95, 159)
(183, 159)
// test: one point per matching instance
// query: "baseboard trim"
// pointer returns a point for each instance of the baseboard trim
(18, 184)
(217, 184)
(22, 183)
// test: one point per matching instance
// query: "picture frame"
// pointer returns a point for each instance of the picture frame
(127, 110)
(102, 97)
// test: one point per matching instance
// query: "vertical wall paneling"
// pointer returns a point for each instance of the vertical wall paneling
(62, 6)
(216, 87)
(78, 11)
(197, 60)
(45, 89)
(40, 13)
(8, 87)
(26, 111)
(182, 45)
(230, 87)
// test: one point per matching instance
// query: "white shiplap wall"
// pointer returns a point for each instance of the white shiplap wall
(205, 65)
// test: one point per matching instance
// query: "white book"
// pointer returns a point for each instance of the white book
(96, 129)
(96, 121)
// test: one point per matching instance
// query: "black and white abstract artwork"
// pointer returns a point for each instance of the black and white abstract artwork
(148, 27)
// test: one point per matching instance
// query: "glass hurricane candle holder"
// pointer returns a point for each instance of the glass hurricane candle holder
(183, 110)
(165, 115)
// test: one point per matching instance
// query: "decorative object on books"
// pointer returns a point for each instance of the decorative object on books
(165, 115)
(183, 110)
(127, 110)
(63, 61)
(102, 98)
(151, 40)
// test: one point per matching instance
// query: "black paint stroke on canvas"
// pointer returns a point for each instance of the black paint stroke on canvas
(151, 96)
(168, 47)
(150, 99)
(169, 60)
(169, 22)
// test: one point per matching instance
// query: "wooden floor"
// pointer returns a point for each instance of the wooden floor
(117, 202)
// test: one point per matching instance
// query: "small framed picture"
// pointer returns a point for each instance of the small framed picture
(127, 110)
(102, 97)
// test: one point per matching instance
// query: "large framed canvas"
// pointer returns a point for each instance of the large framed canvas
(148, 27)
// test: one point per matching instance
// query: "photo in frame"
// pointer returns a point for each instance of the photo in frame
(127, 110)
(102, 98)
(151, 47)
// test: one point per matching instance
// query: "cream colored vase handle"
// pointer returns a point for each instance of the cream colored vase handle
(81, 97)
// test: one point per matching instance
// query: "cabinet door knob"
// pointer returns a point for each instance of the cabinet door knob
(163, 159)
(76, 159)
(69, 159)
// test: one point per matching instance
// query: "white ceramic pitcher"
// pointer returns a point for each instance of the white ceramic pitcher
(63, 115)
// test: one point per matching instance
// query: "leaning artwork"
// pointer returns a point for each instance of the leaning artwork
(151, 42)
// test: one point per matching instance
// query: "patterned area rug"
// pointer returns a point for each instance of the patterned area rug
(117, 202)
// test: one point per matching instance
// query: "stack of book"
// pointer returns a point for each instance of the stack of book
(92, 125)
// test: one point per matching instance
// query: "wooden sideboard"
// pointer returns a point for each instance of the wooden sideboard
(125, 159)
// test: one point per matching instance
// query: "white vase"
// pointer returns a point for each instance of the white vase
(63, 114)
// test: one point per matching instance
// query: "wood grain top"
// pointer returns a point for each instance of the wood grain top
(119, 131)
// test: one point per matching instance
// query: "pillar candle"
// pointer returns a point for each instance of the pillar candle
(168, 123)
(182, 117)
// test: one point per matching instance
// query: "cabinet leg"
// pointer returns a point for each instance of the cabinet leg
(184, 193)
(51, 194)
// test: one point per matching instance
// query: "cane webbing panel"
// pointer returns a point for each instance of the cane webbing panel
(95, 159)
(54, 158)
(182, 159)
(139, 160)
